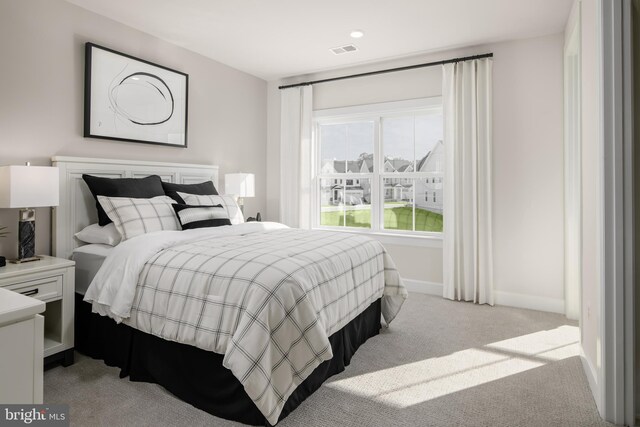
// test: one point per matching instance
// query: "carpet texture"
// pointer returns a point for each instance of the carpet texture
(441, 363)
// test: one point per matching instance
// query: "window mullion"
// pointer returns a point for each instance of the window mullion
(378, 166)
(414, 205)
(316, 191)
(413, 180)
(344, 204)
(415, 161)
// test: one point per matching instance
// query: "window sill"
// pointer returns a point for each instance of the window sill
(423, 241)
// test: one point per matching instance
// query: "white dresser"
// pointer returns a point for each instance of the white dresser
(21, 348)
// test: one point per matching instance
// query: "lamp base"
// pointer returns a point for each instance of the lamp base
(26, 234)
(241, 205)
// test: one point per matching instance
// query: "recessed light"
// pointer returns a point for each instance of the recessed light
(356, 34)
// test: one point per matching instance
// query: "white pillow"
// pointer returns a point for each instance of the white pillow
(94, 233)
(228, 202)
(133, 217)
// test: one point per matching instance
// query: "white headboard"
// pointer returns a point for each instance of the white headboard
(77, 207)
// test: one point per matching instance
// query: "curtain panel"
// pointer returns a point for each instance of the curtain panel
(296, 110)
(467, 245)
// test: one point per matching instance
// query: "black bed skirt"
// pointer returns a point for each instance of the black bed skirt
(197, 376)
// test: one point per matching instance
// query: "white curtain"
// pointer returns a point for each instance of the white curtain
(296, 105)
(467, 247)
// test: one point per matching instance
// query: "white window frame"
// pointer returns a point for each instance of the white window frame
(375, 113)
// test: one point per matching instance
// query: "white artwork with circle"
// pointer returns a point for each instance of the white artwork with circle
(129, 99)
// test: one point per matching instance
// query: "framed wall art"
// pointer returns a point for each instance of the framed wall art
(129, 99)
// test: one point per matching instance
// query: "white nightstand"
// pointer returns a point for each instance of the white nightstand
(21, 331)
(51, 280)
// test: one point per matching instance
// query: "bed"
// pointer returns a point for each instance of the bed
(244, 322)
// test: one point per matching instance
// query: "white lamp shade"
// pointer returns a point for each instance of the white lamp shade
(28, 186)
(240, 184)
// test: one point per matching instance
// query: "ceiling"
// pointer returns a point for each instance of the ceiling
(272, 39)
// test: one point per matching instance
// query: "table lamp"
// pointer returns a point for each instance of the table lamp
(28, 187)
(241, 185)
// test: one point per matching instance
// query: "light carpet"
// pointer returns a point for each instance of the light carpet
(441, 363)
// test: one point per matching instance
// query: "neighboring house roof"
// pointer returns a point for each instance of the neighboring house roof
(327, 166)
(340, 187)
(435, 153)
(388, 167)
(398, 164)
(351, 166)
(422, 161)
(350, 187)
(365, 164)
(405, 168)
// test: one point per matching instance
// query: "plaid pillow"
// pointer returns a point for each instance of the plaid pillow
(201, 216)
(227, 202)
(133, 217)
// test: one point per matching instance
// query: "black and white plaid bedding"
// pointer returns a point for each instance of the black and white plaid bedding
(134, 217)
(268, 301)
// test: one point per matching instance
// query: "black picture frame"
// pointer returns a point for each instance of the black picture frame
(130, 99)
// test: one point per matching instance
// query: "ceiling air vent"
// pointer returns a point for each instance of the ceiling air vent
(343, 49)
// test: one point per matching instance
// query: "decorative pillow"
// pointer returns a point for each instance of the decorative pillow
(201, 216)
(203, 188)
(94, 233)
(143, 188)
(133, 217)
(228, 202)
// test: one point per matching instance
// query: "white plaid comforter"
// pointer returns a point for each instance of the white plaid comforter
(264, 295)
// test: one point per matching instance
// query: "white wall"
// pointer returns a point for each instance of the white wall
(591, 201)
(528, 168)
(527, 154)
(41, 100)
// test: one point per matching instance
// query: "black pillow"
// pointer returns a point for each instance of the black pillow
(191, 216)
(202, 189)
(141, 188)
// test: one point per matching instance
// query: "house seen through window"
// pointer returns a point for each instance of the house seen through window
(373, 167)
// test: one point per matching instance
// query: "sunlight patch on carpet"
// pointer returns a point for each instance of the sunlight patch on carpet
(413, 383)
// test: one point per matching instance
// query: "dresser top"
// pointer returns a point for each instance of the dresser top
(45, 264)
(15, 306)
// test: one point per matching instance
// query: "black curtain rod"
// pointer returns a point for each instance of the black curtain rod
(390, 70)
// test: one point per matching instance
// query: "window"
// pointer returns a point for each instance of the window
(374, 162)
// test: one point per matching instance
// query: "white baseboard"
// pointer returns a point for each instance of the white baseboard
(530, 302)
(508, 299)
(423, 287)
(592, 376)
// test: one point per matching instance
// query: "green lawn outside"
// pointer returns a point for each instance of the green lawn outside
(399, 218)
(355, 218)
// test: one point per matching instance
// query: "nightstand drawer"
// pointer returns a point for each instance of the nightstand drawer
(45, 289)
